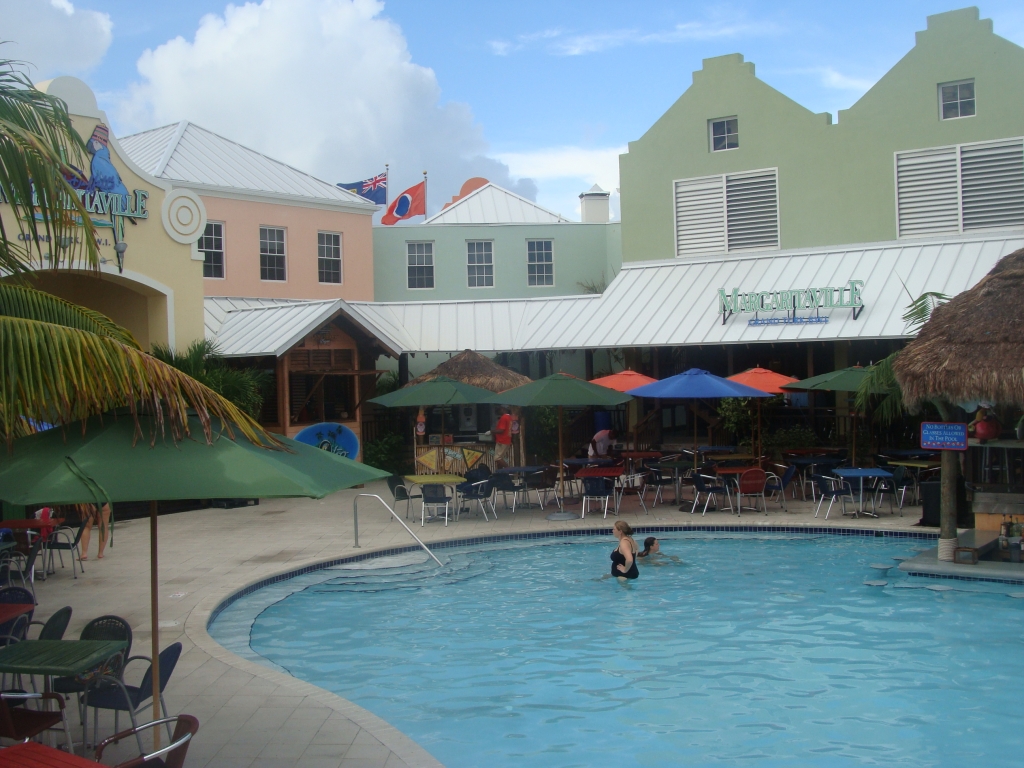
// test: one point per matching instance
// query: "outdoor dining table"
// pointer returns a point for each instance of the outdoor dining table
(31, 754)
(907, 453)
(57, 658)
(806, 463)
(613, 472)
(590, 461)
(11, 611)
(533, 469)
(632, 457)
(451, 480)
(849, 473)
(730, 457)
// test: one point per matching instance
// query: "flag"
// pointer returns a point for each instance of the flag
(374, 189)
(412, 202)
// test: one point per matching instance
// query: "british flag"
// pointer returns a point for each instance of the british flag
(374, 189)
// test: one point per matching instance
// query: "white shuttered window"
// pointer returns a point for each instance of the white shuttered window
(727, 213)
(963, 188)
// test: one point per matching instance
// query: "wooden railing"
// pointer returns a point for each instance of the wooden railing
(647, 432)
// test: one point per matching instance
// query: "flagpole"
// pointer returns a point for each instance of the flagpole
(424, 194)
(387, 185)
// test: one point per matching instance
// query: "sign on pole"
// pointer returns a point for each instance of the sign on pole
(943, 436)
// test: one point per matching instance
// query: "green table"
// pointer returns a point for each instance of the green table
(57, 658)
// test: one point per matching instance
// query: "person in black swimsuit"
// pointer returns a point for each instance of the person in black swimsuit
(624, 556)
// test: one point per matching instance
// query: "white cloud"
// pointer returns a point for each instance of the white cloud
(559, 43)
(832, 79)
(328, 86)
(53, 36)
(566, 172)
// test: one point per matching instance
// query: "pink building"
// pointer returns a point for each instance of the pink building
(273, 231)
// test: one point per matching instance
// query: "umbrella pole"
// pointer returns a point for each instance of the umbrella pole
(154, 607)
(695, 435)
(561, 463)
(759, 429)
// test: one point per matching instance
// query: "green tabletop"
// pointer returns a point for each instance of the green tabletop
(58, 658)
(435, 479)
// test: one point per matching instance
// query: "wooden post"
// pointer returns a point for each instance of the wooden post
(283, 395)
(949, 469)
(403, 369)
(561, 457)
(154, 605)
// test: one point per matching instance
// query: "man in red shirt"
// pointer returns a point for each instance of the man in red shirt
(503, 438)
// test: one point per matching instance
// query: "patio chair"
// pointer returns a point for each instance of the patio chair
(101, 628)
(896, 486)
(633, 485)
(22, 567)
(55, 626)
(752, 483)
(70, 544)
(658, 480)
(481, 491)
(171, 756)
(21, 724)
(434, 496)
(596, 489)
(832, 488)
(711, 487)
(111, 692)
(16, 629)
(779, 485)
(505, 484)
(400, 492)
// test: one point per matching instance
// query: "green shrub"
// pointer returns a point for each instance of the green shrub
(388, 453)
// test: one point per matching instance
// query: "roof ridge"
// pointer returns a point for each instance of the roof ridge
(480, 190)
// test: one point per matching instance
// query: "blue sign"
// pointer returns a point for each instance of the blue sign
(943, 436)
(331, 436)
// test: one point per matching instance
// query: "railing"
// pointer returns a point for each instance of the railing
(648, 431)
(355, 522)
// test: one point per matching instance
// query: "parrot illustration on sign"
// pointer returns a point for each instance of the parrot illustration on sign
(103, 177)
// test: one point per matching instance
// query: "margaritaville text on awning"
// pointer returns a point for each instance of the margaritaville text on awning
(828, 297)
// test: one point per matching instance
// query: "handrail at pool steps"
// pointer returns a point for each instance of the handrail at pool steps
(355, 522)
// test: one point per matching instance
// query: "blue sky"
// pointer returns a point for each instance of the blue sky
(552, 90)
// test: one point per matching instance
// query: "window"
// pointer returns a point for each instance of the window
(271, 253)
(480, 263)
(962, 188)
(328, 251)
(421, 264)
(723, 214)
(956, 100)
(540, 267)
(725, 134)
(212, 246)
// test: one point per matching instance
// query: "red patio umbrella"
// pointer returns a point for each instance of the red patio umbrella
(623, 381)
(766, 381)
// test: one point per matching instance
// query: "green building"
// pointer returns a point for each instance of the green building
(932, 149)
(493, 244)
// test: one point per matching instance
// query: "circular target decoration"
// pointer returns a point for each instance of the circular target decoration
(184, 215)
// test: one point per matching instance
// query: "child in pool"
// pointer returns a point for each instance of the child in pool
(652, 550)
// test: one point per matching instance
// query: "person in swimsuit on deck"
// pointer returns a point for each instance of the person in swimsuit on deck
(624, 556)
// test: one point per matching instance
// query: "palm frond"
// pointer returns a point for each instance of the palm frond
(39, 148)
(59, 375)
(920, 310)
(888, 407)
(244, 387)
(31, 304)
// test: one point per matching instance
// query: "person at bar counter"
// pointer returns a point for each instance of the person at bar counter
(503, 438)
(601, 442)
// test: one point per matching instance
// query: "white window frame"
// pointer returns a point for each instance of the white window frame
(554, 276)
(938, 93)
(340, 259)
(284, 243)
(711, 133)
(433, 265)
(223, 252)
(958, 148)
(469, 266)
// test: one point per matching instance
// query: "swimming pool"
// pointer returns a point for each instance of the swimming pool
(765, 650)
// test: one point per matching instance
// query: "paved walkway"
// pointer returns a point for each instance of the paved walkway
(251, 715)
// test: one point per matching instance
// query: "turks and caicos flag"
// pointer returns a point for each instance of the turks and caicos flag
(374, 189)
(412, 202)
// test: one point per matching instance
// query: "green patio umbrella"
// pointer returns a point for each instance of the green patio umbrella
(107, 464)
(560, 390)
(439, 391)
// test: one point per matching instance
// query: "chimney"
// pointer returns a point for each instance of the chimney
(594, 206)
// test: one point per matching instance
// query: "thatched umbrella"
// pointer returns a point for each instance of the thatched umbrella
(471, 367)
(972, 348)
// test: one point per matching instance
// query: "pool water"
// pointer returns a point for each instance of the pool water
(767, 651)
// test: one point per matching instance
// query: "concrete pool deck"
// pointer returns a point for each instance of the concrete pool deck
(251, 715)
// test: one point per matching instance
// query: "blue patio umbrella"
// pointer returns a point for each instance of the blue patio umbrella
(695, 384)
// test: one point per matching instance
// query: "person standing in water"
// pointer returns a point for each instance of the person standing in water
(624, 556)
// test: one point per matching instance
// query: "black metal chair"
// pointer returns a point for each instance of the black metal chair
(55, 626)
(480, 491)
(894, 487)
(101, 628)
(832, 488)
(505, 484)
(21, 567)
(400, 492)
(70, 544)
(185, 727)
(711, 487)
(434, 495)
(779, 485)
(597, 489)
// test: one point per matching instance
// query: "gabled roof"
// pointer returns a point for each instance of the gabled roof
(250, 327)
(492, 204)
(199, 159)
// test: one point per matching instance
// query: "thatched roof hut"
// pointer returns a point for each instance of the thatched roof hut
(471, 367)
(972, 348)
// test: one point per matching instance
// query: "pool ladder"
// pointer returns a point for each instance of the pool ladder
(355, 522)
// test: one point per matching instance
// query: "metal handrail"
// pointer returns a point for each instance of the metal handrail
(355, 521)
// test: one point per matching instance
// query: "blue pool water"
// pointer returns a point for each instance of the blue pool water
(767, 651)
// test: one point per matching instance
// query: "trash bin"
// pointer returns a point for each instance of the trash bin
(931, 504)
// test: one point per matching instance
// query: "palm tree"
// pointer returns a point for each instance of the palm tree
(203, 362)
(59, 362)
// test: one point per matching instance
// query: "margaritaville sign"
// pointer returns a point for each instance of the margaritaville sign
(790, 301)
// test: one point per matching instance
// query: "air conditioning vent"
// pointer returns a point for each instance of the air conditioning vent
(927, 196)
(722, 214)
(752, 211)
(992, 176)
(700, 216)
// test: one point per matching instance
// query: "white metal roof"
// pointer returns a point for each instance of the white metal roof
(660, 303)
(195, 157)
(251, 327)
(492, 204)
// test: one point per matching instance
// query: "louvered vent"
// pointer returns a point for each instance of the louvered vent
(992, 176)
(926, 192)
(752, 210)
(700, 216)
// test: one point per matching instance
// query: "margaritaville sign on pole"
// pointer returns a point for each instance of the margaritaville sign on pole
(790, 301)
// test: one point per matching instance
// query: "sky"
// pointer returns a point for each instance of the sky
(540, 97)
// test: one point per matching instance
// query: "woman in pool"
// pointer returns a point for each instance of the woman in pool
(652, 550)
(624, 556)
